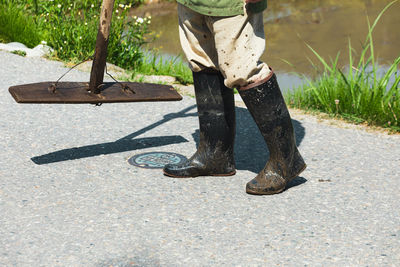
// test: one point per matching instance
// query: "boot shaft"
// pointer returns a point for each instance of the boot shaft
(268, 109)
(216, 109)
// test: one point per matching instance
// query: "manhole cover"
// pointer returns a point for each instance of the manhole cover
(155, 160)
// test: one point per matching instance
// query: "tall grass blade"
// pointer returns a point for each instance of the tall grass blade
(363, 93)
(320, 58)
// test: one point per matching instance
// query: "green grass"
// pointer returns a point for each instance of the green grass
(19, 53)
(356, 93)
(15, 26)
(70, 28)
(154, 64)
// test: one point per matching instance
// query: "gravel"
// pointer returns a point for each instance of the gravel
(68, 196)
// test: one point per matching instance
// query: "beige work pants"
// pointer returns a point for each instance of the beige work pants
(232, 45)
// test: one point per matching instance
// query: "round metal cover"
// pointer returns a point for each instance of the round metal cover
(156, 160)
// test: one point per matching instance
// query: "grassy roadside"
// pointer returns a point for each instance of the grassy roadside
(356, 94)
(16, 27)
(155, 64)
(70, 28)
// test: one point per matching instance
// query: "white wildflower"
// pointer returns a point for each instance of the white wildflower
(121, 5)
(43, 42)
(139, 20)
(92, 6)
(59, 5)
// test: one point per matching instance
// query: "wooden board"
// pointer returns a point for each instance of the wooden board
(77, 93)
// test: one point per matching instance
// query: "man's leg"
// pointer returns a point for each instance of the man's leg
(216, 109)
(197, 40)
(215, 102)
(239, 49)
(240, 42)
(268, 109)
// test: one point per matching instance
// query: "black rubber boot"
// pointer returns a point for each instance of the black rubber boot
(216, 110)
(268, 109)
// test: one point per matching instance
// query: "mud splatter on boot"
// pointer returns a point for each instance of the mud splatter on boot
(268, 109)
(216, 109)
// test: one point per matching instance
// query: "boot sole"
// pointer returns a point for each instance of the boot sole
(248, 191)
(178, 176)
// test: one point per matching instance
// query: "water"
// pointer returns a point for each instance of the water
(326, 25)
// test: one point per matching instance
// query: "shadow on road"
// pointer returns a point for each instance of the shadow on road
(127, 143)
(251, 152)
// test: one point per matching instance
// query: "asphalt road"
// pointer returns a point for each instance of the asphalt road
(68, 196)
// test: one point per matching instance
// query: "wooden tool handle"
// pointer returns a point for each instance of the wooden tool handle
(100, 54)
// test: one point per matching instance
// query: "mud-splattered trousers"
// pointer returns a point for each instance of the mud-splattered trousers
(232, 45)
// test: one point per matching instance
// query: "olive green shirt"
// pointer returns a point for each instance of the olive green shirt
(223, 7)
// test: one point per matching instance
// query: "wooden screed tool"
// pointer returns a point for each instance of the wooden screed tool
(95, 91)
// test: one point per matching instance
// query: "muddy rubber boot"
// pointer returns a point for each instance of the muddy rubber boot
(216, 110)
(268, 109)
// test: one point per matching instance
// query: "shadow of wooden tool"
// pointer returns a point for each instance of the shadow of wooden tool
(95, 91)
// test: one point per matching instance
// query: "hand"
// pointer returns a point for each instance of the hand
(252, 1)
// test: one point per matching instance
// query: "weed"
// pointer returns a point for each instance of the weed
(358, 94)
(70, 28)
(15, 26)
(153, 63)
(19, 53)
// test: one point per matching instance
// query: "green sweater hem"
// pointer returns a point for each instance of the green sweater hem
(225, 9)
(215, 11)
(257, 7)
